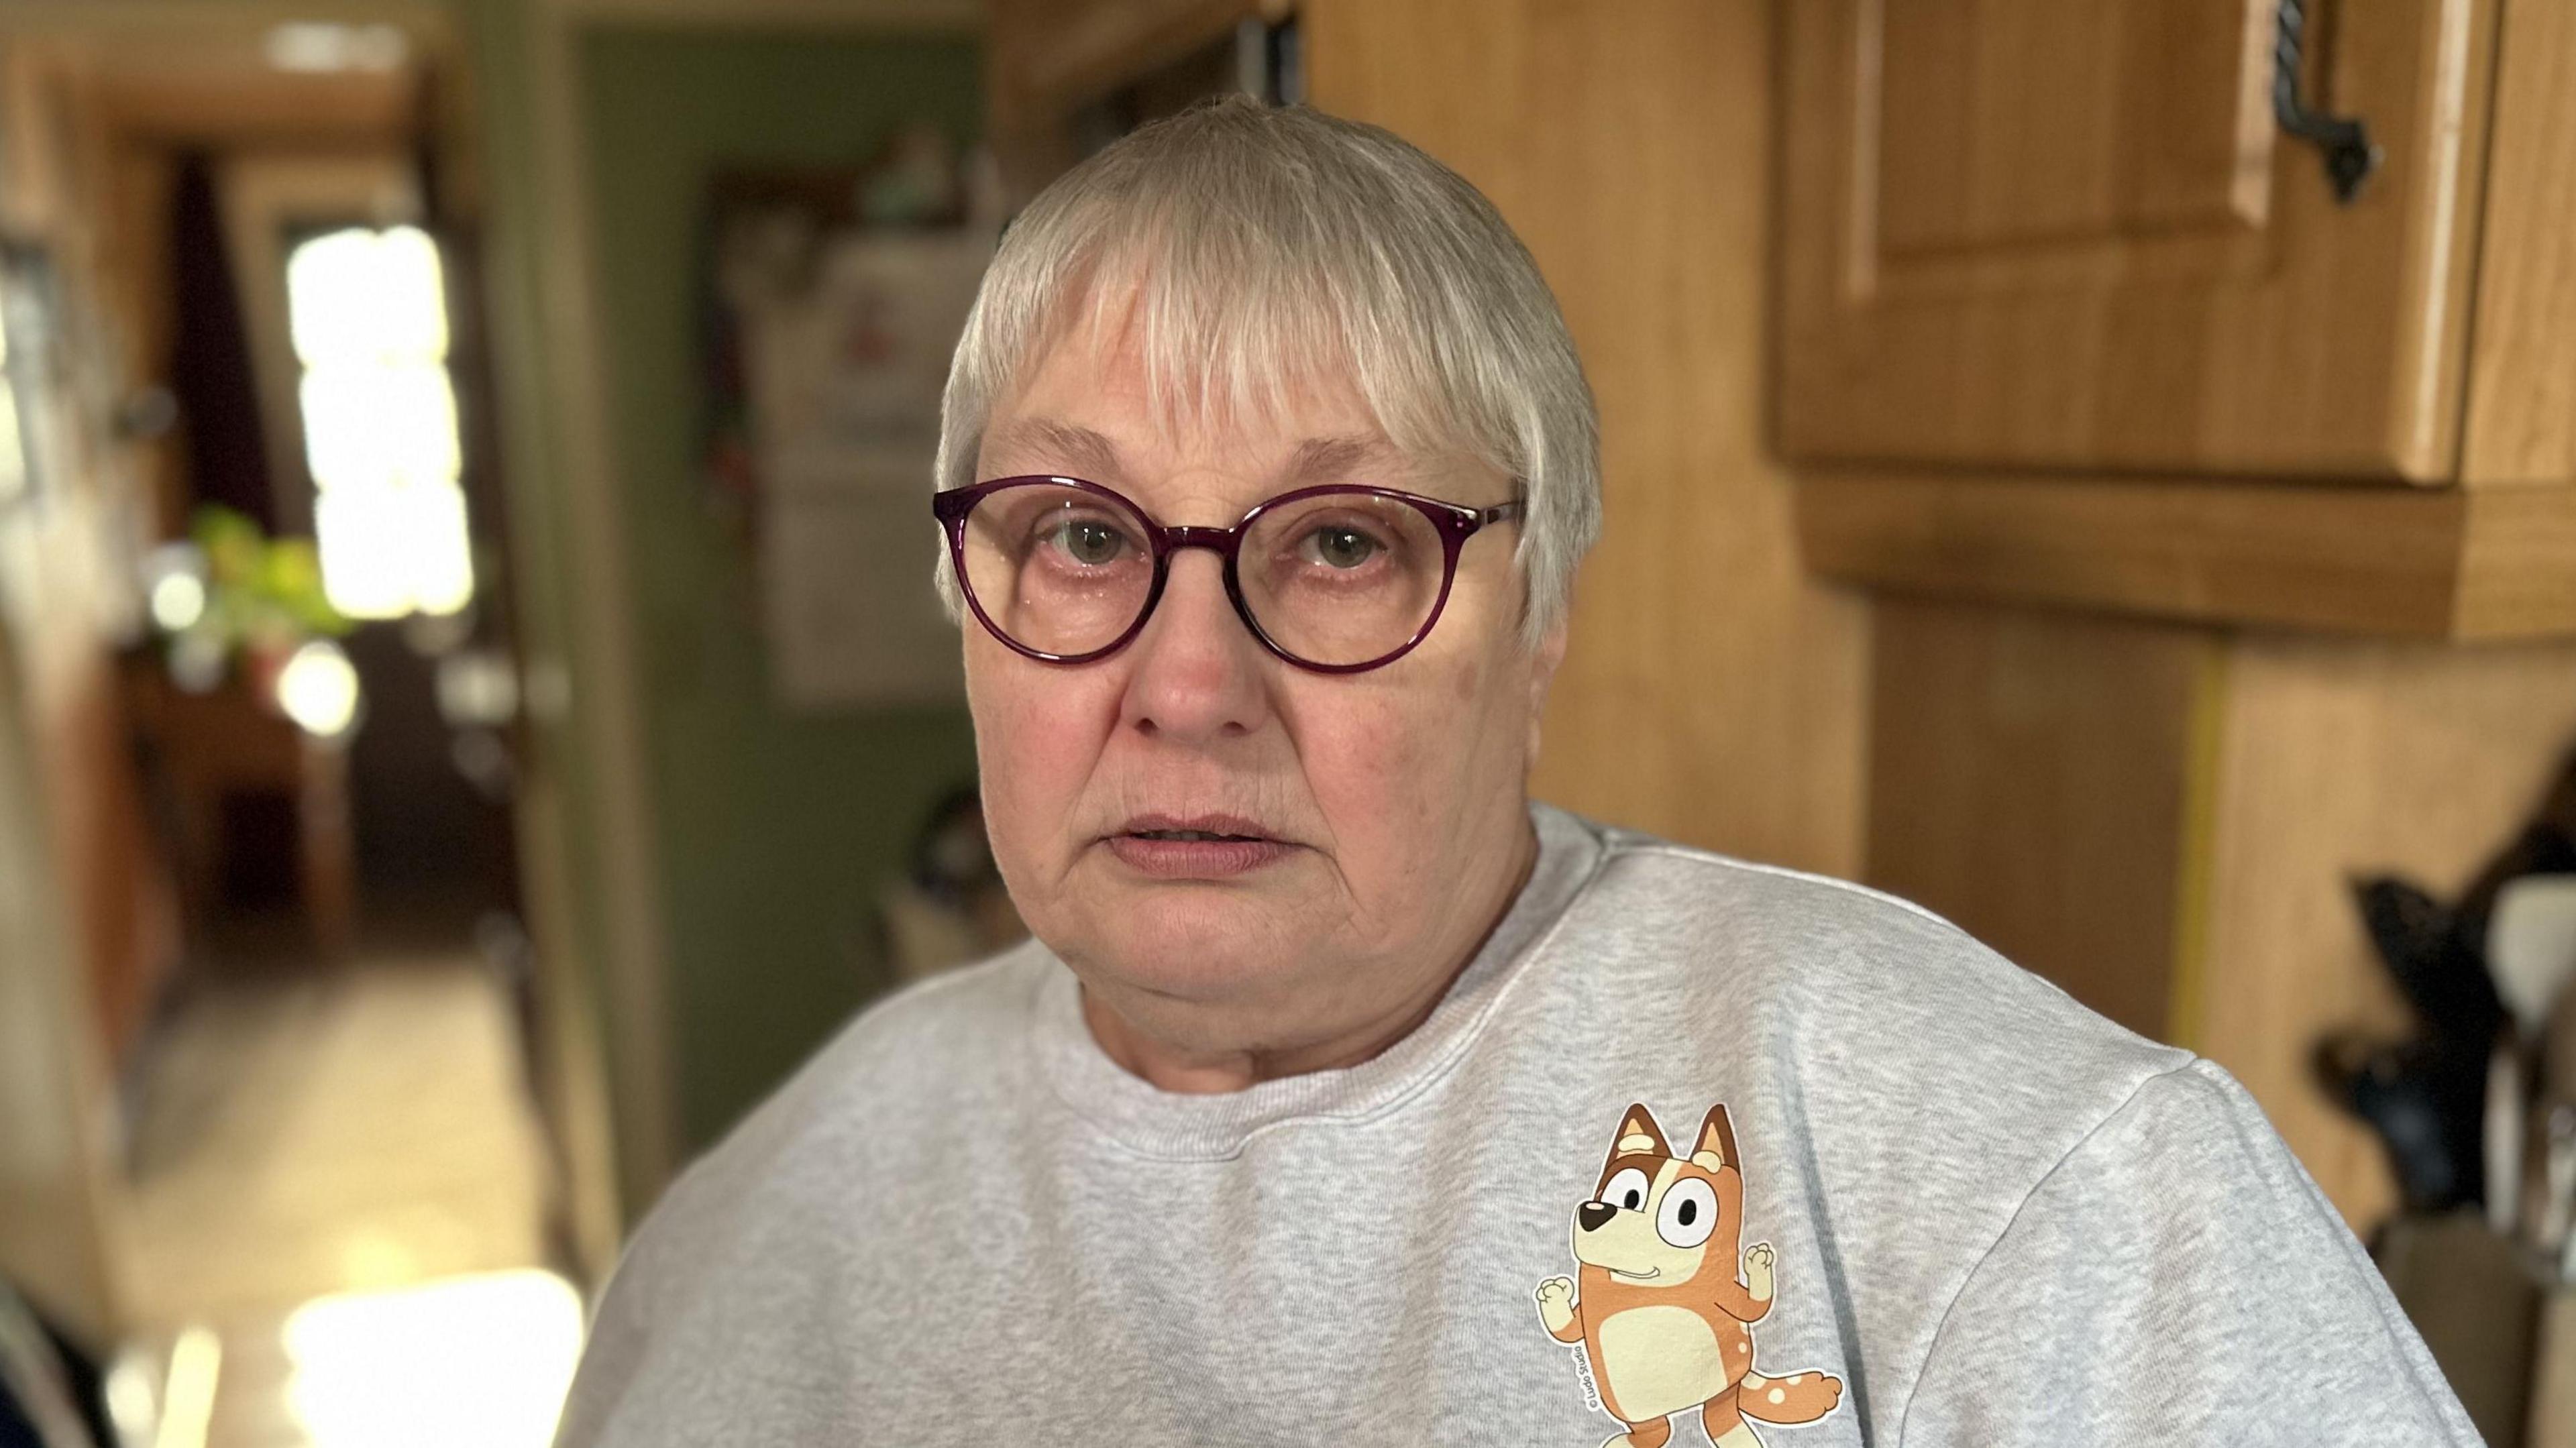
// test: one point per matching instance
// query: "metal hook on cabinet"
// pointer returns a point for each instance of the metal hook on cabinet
(2350, 154)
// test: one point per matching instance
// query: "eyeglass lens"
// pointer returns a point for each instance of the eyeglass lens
(1334, 578)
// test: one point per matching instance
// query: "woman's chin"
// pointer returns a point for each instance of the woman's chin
(1198, 951)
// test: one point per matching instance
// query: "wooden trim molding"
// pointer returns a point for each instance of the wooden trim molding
(2448, 563)
(2521, 424)
(603, 713)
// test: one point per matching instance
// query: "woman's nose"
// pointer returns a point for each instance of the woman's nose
(1196, 671)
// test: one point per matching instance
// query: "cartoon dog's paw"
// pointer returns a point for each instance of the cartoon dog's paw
(1556, 1302)
(1759, 1260)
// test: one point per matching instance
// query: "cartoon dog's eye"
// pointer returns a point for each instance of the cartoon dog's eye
(1628, 1189)
(1689, 1213)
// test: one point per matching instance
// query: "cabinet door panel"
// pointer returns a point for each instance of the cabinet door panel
(2009, 124)
(2030, 234)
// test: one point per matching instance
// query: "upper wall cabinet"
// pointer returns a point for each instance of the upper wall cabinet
(2034, 234)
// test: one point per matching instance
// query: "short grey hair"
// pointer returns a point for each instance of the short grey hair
(1264, 243)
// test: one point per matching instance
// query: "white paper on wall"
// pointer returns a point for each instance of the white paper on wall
(846, 554)
(844, 377)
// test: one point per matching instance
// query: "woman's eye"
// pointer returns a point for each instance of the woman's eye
(1342, 547)
(1088, 542)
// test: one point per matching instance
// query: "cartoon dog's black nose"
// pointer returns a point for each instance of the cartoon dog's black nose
(1593, 1214)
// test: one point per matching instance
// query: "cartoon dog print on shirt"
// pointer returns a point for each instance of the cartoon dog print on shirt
(1661, 1311)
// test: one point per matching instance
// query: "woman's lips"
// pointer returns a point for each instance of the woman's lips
(1204, 848)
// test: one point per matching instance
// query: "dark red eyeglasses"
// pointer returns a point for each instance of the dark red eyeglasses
(1334, 579)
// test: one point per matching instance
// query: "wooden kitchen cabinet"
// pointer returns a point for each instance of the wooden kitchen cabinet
(2068, 319)
(2035, 234)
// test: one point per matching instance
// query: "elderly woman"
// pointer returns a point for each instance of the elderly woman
(1344, 1095)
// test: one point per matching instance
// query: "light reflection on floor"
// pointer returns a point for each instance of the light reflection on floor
(480, 1360)
(338, 1221)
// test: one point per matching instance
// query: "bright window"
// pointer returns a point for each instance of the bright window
(369, 315)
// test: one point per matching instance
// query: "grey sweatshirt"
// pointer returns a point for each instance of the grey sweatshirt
(1942, 1204)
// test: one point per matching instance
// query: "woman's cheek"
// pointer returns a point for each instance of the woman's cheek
(1376, 766)
(1032, 769)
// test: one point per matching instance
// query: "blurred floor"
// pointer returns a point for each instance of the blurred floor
(339, 1180)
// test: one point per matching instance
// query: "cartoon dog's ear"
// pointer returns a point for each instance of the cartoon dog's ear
(1637, 1132)
(1716, 1141)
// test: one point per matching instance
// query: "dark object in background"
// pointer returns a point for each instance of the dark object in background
(2546, 846)
(2426, 1094)
(950, 907)
(211, 378)
(952, 860)
(50, 1391)
(258, 851)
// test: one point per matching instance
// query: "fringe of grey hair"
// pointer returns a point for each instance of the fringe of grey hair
(1261, 244)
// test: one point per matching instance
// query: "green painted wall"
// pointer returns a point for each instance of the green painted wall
(776, 830)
